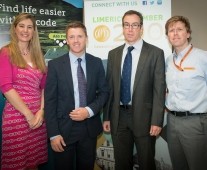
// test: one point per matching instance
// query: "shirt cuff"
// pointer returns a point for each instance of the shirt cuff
(51, 138)
(90, 112)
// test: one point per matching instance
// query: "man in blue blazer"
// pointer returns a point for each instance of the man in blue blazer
(73, 123)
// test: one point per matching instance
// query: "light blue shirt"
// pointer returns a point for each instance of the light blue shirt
(74, 66)
(135, 58)
(187, 90)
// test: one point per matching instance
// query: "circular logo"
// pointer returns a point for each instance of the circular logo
(101, 33)
(155, 31)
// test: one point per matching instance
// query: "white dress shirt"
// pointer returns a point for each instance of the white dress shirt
(135, 58)
(74, 66)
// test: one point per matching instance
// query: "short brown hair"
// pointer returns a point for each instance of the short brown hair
(175, 19)
(76, 24)
(132, 12)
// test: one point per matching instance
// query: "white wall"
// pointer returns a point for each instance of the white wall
(196, 12)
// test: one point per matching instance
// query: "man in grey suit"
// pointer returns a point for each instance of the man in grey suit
(76, 90)
(138, 118)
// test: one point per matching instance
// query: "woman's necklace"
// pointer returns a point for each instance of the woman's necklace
(24, 53)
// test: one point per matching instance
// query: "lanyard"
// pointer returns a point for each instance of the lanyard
(185, 56)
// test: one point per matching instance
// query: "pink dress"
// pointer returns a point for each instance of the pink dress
(22, 147)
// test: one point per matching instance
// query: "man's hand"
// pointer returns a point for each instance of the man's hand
(106, 126)
(79, 114)
(57, 143)
(155, 130)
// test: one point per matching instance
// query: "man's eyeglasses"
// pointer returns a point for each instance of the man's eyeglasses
(133, 25)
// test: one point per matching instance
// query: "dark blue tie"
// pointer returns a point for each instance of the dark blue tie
(81, 84)
(126, 78)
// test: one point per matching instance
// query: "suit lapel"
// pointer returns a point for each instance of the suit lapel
(117, 64)
(67, 71)
(89, 70)
(140, 66)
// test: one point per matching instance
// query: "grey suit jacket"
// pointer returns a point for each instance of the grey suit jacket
(59, 95)
(148, 93)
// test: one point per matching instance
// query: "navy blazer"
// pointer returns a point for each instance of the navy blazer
(59, 95)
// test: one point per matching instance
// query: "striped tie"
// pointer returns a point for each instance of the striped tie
(81, 84)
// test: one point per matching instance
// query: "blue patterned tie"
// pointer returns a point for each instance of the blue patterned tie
(126, 78)
(81, 84)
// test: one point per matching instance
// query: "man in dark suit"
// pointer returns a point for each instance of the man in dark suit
(135, 117)
(75, 93)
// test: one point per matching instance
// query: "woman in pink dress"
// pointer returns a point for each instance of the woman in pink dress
(22, 80)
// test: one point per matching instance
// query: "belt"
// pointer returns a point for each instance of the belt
(187, 113)
(126, 107)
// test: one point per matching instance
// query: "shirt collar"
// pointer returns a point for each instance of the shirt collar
(182, 53)
(74, 58)
(137, 45)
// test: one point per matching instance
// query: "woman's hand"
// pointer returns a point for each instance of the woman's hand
(37, 120)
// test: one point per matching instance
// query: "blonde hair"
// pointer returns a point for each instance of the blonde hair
(34, 45)
(178, 18)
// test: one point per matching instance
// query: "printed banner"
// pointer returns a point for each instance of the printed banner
(52, 16)
(103, 19)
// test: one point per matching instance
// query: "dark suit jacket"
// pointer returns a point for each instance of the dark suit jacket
(148, 93)
(59, 95)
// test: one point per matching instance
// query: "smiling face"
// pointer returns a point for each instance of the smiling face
(132, 29)
(178, 35)
(76, 40)
(24, 30)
